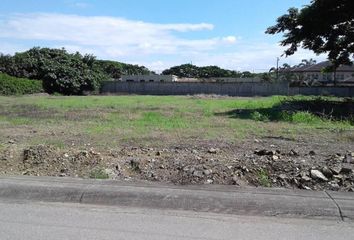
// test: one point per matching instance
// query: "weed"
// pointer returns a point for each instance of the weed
(99, 173)
(263, 178)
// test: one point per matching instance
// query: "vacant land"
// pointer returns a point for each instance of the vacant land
(301, 142)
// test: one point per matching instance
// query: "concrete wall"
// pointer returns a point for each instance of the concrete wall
(230, 89)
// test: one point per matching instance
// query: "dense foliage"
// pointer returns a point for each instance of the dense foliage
(18, 86)
(324, 26)
(192, 71)
(116, 69)
(63, 72)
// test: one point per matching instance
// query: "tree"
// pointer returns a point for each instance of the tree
(60, 71)
(65, 72)
(324, 26)
(192, 71)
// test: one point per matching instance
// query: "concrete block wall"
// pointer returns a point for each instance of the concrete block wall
(230, 89)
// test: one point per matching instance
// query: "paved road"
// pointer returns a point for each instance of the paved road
(36, 221)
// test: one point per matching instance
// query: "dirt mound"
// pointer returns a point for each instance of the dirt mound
(258, 163)
(46, 160)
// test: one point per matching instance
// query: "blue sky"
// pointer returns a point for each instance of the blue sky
(155, 33)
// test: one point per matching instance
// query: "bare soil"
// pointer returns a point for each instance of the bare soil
(270, 161)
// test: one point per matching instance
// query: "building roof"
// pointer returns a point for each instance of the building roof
(320, 66)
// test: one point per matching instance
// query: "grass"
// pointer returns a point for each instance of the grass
(263, 178)
(98, 173)
(107, 120)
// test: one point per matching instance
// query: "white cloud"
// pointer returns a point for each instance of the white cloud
(155, 45)
(229, 39)
(254, 57)
(110, 34)
(81, 5)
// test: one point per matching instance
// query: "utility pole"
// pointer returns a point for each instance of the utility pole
(278, 68)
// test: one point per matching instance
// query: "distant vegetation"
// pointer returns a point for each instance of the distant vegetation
(192, 71)
(116, 69)
(18, 86)
(63, 72)
(76, 74)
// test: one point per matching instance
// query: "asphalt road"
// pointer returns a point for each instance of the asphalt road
(66, 221)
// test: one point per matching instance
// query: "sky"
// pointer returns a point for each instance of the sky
(155, 33)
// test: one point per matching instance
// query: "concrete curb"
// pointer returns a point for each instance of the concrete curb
(215, 199)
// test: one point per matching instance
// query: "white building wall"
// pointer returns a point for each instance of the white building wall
(149, 78)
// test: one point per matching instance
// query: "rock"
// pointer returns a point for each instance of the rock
(305, 179)
(244, 169)
(263, 152)
(339, 176)
(327, 172)
(293, 153)
(305, 187)
(347, 168)
(275, 157)
(334, 186)
(283, 176)
(207, 172)
(348, 159)
(135, 164)
(213, 150)
(237, 181)
(194, 151)
(318, 175)
(312, 153)
(66, 155)
(158, 153)
(198, 174)
(118, 167)
(11, 141)
(209, 181)
(336, 170)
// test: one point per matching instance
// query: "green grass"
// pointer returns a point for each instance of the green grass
(98, 173)
(263, 178)
(108, 119)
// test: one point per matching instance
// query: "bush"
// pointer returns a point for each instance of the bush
(60, 71)
(63, 72)
(18, 86)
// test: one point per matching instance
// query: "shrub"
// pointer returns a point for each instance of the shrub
(99, 173)
(263, 178)
(60, 71)
(18, 86)
(63, 72)
(257, 116)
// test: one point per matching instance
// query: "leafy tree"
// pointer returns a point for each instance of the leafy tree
(247, 74)
(116, 69)
(192, 71)
(65, 72)
(305, 62)
(59, 70)
(324, 26)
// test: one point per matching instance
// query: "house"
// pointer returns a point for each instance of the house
(315, 72)
(149, 78)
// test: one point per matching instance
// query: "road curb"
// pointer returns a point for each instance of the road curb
(215, 199)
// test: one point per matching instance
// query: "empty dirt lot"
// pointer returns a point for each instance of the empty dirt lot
(297, 142)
